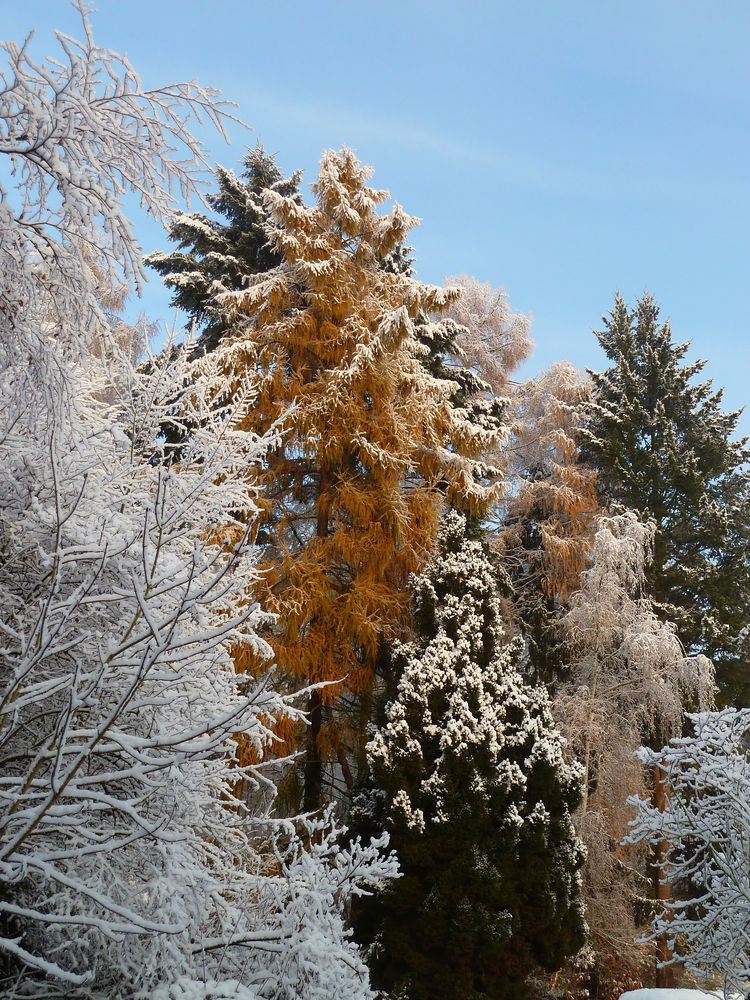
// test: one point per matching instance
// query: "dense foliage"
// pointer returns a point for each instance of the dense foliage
(219, 251)
(628, 682)
(547, 522)
(663, 447)
(469, 779)
(330, 337)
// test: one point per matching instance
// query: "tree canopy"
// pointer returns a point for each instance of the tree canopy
(368, 440)
(212, 253)
(470, 781)
(662, 446)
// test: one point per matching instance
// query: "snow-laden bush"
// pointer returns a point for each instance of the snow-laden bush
(469, 779)
(122, 585)
(137, 856)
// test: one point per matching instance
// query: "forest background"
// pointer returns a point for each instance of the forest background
(615, 664)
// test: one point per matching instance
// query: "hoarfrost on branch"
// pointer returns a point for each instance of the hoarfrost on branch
(129, 863)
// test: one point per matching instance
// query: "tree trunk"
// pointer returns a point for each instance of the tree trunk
(313, 793)
(665, 977)
(313, 790)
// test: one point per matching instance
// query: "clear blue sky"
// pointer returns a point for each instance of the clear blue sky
(560, 149)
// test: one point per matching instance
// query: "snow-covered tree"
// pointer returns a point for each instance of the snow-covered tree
(706, 822)
(76, 137)
(547, 520)
(493, 340)
(476, 342)
(219, 252)
(127, 860)
(125, 589)
(331, 335)
(462, 345)
(469, 780)
(662, 446)
(629, 681)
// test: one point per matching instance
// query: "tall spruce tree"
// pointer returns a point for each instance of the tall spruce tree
(662, 446)
(212, 254)
(470, 781)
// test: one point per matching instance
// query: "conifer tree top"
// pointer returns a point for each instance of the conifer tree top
(214, 255)
(648, 404)
(662, 446)
(459, 684)
(339, 324)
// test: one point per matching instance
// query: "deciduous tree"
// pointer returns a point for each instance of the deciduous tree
(494, 341)
(548, 518)
(371, 443)
(126, 864)
(629, 682)
(706, 822)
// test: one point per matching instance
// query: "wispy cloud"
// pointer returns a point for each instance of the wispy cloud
(545, 170)
(351, 125)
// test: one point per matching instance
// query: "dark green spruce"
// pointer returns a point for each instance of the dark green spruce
(663, 447)
(468, 777)
(213, 254)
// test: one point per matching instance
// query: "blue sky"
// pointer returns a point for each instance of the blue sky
(561, 150)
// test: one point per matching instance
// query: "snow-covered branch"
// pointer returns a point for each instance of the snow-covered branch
(79, 135)
(131, 834)
(707, 824)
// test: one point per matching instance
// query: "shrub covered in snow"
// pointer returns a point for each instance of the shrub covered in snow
(706, 825)
(477, 798)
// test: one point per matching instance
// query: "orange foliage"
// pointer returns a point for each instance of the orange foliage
(553, 492)
(369, 446)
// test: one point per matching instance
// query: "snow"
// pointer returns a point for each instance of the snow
(706, 822)
(121, 865)
(661, 994)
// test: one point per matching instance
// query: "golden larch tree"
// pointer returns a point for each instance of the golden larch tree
(369, 448)
(555, 489)
(548, 518)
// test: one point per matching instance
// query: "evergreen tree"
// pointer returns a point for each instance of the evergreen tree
(662, 446)
(472, 786)
(210, 251)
